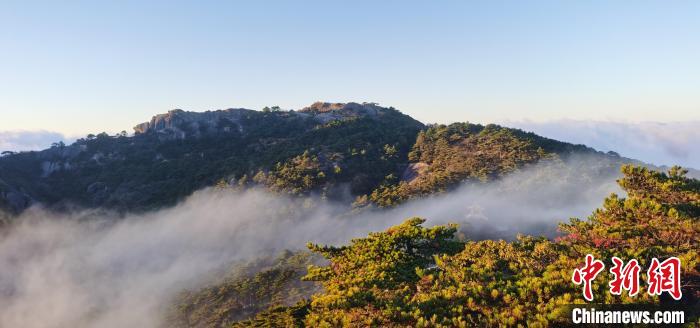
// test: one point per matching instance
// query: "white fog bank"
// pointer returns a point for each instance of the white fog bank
(674, 143)
(91, 269)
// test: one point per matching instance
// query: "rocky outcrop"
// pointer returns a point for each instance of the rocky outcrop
(179, 124)
(48, 167)
(413, 171)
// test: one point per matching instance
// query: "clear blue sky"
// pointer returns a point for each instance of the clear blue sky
(79, 67)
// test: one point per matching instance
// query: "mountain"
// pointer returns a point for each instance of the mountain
(342, 151)
(178, 152)
(366, 156)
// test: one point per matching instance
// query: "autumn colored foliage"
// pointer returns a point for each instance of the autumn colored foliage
(414, 276)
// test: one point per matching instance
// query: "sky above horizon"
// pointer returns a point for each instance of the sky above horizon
(84, 67)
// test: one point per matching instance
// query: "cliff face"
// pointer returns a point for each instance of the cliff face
(179, 123)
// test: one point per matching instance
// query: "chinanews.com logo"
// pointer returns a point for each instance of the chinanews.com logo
(662, 277)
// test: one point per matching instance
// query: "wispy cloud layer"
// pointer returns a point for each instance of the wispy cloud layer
(29, 140)
(675, 143)
(90, 269)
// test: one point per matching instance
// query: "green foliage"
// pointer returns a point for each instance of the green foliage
(660, 218)
(450, 154)
(278, 316)
(493, 283)
(411, 276)
(374, 275)
(295, 176)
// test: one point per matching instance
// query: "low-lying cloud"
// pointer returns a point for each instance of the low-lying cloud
(674, 143)
(94, 269)
(29, 140)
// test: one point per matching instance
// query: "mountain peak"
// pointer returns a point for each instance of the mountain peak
(178, 123)
(326, 112)
(327, 107)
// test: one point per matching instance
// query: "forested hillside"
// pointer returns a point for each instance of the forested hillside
(444, 156)
(319, 148)
(361, 153)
